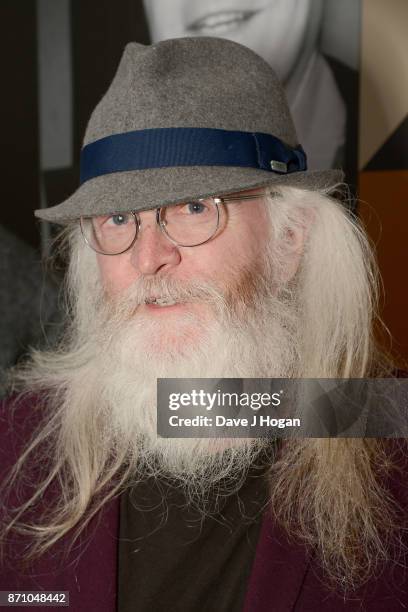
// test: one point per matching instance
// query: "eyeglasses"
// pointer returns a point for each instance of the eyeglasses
(187, 224)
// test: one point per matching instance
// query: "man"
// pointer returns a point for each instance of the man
(200, 246)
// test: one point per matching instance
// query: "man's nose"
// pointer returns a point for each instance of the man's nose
(152, 251)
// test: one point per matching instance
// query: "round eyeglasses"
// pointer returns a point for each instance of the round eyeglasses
(187, 224)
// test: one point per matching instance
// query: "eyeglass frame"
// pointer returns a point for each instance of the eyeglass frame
(217, 201)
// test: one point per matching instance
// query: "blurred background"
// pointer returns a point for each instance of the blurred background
(344, 66)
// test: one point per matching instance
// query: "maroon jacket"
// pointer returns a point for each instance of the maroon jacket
(284, 576)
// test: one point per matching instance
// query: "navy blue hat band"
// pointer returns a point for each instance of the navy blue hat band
(170, 147)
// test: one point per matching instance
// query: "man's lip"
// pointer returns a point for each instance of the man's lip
(157, 308)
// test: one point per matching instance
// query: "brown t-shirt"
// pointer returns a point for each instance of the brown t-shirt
(173, 558)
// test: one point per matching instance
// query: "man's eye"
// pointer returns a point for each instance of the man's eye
(194, 208)
(118, 220)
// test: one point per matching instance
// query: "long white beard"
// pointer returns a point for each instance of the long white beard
(247, 334)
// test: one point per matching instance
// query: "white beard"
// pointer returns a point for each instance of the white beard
(128, 355)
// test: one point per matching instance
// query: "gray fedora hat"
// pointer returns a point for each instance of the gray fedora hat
(186, 118)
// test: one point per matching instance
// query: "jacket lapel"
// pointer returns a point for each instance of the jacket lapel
(278, 571)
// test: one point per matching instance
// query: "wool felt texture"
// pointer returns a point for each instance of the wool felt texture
(186, 82)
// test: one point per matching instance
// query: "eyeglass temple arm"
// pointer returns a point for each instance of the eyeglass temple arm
(244, 197)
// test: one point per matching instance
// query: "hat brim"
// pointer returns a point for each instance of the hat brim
(147, 189)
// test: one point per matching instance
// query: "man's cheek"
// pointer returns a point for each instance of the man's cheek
(115, 278)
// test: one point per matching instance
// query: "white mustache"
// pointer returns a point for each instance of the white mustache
(148, 290)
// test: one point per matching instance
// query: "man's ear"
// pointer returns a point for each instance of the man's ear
(294, 240)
